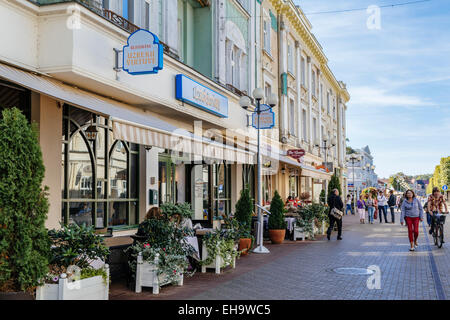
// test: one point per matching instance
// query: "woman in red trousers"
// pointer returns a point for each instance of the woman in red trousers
(412, 213)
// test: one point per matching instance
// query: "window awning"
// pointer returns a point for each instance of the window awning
(129, 123)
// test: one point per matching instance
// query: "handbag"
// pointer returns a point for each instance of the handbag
(336, 213)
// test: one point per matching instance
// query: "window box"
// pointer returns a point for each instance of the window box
(147, 276)
(95, 288)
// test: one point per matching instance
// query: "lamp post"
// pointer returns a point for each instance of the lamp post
(245, 103)
(326, 148)
(353, 157)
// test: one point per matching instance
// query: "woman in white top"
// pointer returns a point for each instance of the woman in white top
(348, 204)
(382, 202)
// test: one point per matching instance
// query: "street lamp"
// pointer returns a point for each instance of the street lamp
(245, 103)
(326, 148)
(354, 157)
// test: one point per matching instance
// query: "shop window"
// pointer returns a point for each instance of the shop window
(100, 178)
(222, 189)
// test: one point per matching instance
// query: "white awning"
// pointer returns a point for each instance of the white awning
(314, 173)
(129, 123)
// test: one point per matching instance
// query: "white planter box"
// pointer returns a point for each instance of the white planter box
(93, 288)
(147, 276)
(299, 233)
(218, 263)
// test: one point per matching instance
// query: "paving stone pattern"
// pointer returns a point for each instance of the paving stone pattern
(304, 270)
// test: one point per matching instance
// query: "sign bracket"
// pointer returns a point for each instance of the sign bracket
(117, 68)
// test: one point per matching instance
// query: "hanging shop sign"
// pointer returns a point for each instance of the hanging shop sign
(196, 94)
(143, 53)
(266, 118)
(297, 154)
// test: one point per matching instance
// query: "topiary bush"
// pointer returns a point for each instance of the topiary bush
(276, 217)
(244, 209)
(24, 242)
(334, 184)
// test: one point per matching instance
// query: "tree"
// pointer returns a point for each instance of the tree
(334, 184)
(322, 197)
(244, 208)
(276, 217)
(24, 244)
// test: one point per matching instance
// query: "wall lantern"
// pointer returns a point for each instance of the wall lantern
(91, 133)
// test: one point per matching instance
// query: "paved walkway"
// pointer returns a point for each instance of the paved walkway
(304, 270)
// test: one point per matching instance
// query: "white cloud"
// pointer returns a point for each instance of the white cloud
(374, 97)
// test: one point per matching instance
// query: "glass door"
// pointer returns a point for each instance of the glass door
(167, 186)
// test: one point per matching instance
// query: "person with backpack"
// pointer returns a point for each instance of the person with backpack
(391, 203)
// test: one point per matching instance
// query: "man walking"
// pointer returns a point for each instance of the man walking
(391, 204)
(382, 206)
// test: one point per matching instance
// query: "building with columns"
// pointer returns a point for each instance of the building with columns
(62, 65)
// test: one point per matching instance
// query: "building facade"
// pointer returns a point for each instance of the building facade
(62, 66)
(361, 174)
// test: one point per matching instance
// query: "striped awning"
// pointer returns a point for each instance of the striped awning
(129, 123)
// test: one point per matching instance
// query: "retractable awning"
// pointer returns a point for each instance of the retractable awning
(129, 123)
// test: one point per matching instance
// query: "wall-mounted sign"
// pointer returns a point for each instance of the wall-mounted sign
(143, 53)
(297, 154)
(196, 94)
(266, 118)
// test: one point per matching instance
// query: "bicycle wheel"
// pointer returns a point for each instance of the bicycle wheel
(434, 235)
(439, 236)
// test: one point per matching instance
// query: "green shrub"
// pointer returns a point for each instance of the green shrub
(276, 217)
(24, 243)
(334, 184)
(76, 245)
(244, 209)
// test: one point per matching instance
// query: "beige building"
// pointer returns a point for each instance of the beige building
(61, 64)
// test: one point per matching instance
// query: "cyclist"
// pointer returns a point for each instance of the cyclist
(436, 203)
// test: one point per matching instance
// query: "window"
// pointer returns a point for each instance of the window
(290, 60)
(268, 89)
(221, 189)
(292, 117)
(304, 125)
(267, 36)
(334, 108)
(328, 102)
(321, 95)
(88, 197)
(303, 72)
(313, 82)
(314, 129)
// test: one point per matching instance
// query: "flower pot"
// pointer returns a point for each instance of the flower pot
(277, 236)
(245, 245)
(16, 296)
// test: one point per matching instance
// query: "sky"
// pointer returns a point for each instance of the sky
(398, 77)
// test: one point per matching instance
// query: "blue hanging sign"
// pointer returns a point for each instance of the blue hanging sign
(445, 187)
(143, 53)
(266, 118)
(196, 94)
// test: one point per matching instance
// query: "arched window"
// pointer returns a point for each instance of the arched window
(100, 177)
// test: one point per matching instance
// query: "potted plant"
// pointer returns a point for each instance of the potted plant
(77, 265)
(244, 210)
(305, 221)
(277, 224)
(160, 257)
(220, 247)
(24, 244)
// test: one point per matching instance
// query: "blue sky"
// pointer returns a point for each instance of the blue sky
(398, 78)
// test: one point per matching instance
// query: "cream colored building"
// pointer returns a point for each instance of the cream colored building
(60, 64)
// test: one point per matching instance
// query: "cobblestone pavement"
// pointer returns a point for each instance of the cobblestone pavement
(304, 270)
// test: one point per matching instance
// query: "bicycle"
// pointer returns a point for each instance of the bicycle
(438, 229)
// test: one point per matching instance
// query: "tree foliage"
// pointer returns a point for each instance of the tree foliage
(276, 218)
(244, 209)
(334, 184)
(24, 242)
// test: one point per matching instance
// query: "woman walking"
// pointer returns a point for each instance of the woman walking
(335, 201)
(382, 202)
(412, 213)
(361, 209)
(370, 208)
(348, 206)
